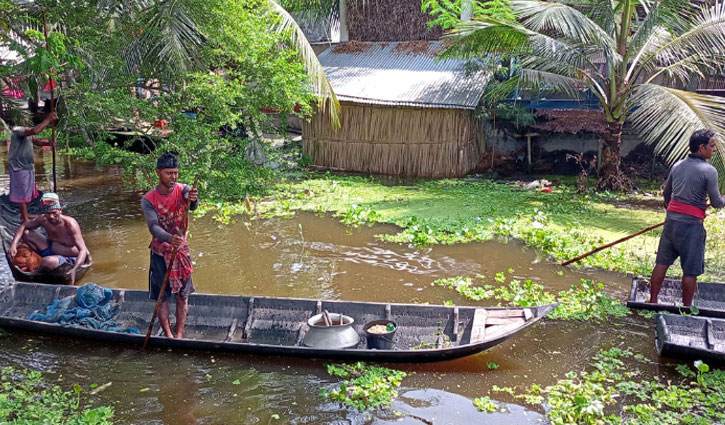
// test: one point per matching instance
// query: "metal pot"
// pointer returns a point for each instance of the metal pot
(331, 337)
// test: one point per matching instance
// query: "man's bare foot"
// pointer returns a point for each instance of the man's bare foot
(169, 335)
(180, 335)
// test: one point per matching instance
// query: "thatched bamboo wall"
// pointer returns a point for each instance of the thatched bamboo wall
(388, 20)
(393, 140)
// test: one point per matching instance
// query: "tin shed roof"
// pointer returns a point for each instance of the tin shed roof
(401, 74)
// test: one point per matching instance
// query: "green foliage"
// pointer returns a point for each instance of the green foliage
(447, 13)
(241, 69)
(586, 398)
(586, 301)
(365, 387)
(26, 399)
(485, 404)
(520, 116)
(357, 216)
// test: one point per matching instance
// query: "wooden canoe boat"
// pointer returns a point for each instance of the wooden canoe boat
(690, 336)
(709, 297)
(261, 325)
(57, 276)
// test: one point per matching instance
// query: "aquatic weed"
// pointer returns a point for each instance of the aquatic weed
(365, 386)
(592, 397)
(26, 398)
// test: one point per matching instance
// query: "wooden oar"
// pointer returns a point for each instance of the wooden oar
(52, 105)
(182, 231)
(646, 229)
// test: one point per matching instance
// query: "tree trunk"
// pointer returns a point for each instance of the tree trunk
(610, 174)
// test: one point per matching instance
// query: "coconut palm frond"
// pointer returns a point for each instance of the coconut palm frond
(705, 36)
(602, 13)
(170, 37)
(667, 117)
(320, 84)
(694, 66)
(555, 50)
(15, 111)
(486, 36)
(643, 60)
(647, 26)
(565, 21)
(549, 81)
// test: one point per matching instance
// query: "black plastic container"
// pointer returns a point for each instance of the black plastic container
(380, 341)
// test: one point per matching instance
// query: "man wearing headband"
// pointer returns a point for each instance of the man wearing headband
(164, 208)
(64, 243)
(22, 164)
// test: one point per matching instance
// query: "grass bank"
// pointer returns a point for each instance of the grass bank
(560, 225)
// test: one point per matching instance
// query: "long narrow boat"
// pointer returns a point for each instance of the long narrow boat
(277, 326)
(690, 336)
(709, 297)
(57, 276)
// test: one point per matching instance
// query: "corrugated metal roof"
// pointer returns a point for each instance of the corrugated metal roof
(401, 74)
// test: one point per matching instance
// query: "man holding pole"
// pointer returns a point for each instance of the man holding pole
(165, 210)
(22, 163)
(690, 182)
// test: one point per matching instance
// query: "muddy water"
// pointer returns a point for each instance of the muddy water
(312, 257)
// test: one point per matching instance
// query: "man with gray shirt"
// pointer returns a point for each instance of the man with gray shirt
(691, 181)
(22, 163)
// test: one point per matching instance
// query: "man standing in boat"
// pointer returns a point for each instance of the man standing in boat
(22, 164)
(690, 182)
(164, 208)
(64, 243)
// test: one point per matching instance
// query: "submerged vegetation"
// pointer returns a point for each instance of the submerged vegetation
(26, 398)
(617, 392)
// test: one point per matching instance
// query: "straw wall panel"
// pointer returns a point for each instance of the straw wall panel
(399, 141)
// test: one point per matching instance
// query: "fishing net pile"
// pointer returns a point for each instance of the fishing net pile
(90, 307)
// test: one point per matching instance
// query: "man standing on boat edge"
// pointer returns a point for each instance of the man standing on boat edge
(164, 208)
(690, 182)
(22, 163)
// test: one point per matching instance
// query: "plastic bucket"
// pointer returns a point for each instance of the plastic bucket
(383, 341)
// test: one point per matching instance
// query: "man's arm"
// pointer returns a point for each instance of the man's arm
(32, 224)
(668, 189)
(43, 124)
(77, 237)
(152, 220)
(716, 200)
(194, 196)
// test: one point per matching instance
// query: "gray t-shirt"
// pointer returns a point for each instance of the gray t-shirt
(20, 153)
(691, 181)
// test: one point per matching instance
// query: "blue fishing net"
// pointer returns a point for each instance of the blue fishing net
(90, 307)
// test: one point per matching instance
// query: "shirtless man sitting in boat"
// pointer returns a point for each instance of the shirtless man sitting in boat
(64, 243)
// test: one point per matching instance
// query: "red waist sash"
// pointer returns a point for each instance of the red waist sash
(683, 208)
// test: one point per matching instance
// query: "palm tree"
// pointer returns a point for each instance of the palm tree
(646, 46)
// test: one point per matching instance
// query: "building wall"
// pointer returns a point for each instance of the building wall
(502, 140)
(394, 140)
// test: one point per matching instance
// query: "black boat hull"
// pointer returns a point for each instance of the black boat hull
(276, 326)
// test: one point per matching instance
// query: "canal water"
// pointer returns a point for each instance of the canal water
(306, 256)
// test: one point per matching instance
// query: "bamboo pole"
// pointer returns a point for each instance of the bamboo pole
(594, 251)
(52, 105)
(182, 231)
